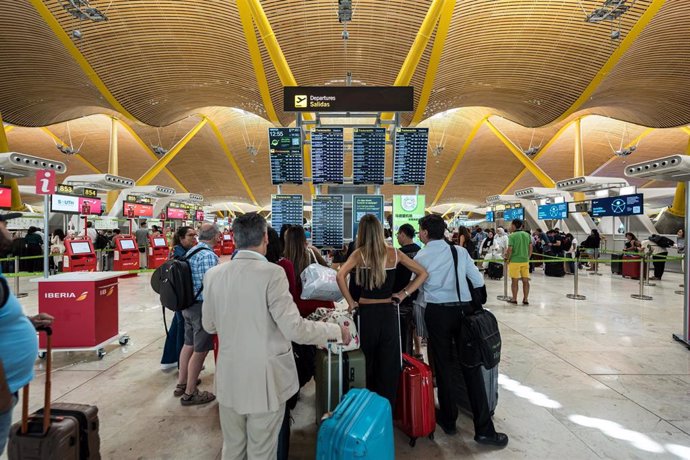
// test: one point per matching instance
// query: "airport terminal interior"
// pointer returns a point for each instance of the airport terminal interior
(123, 121)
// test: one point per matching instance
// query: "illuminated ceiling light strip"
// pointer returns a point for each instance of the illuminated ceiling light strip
(71, 48)
(616, 56)
(434, 60)
(257, 63)
(79, 156)
(457, 161)
(232, 160)
(150, 153)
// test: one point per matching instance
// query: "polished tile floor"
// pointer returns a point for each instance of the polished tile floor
(599, 378)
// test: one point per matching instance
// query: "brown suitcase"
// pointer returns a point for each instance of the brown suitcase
(45, 436)
(87, 417)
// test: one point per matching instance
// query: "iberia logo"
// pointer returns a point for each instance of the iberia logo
(110, 291)
(82, 296)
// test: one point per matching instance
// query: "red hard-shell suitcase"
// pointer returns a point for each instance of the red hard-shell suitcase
(44, 436)
(415, 410)
(631, 267)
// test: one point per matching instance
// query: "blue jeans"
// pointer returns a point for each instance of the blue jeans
(6, 424)
(174, 341)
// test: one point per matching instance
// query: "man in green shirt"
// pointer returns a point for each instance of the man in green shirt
(518, 254)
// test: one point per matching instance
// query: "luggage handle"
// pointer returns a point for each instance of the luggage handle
(25, 391)
(330, 377)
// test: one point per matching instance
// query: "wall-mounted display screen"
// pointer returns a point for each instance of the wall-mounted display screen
(227, 237)
(627, 205)
(489, 216)
(368, 156)
(159, 242)
(89, 206)
(134, 210)
(199, 215)
(556, 211)
(515, 213)
(285, 152)
(327, 155)
(64, 203)
(363, 205)
(409, 156)
(5, 198)
(176, 214)
(80, 247)
(127, 244)
(286, 209)
(327, 221)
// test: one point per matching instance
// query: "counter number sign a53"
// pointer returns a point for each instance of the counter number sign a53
(45, 182)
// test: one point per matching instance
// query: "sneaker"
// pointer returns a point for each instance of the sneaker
(169, 367)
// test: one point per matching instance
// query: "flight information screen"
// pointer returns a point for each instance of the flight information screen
(285, 151)
(327, 221)
(368, 155)
(409, 156)
(554, 211)
(327, 155)
(286, 209)
(627, 205)
(515, 213)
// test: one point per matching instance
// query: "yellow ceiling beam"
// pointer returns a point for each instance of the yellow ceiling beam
(678, 206)
(255, 55)
(72, 49)
(159, 165)
(413, 57)
(578, 158)
(457, 161)
(8, 128)
(686, 129)
(150, 153)
(531, 166)
(230, 210)
(434, 60)
(616, 56)
(279, 63)
(233, 162)
(78, 156)
(542, 150)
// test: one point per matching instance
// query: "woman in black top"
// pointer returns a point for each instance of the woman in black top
(632, 244)
(465, 240)
(374, 263)
(592, 244)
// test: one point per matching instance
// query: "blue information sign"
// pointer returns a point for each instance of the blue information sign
(627, 205)
(556, 211)
(489, 216)
(515, 213)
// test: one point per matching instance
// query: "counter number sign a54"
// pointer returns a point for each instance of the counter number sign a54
(45, 182)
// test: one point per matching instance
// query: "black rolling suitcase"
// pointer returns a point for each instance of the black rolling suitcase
(495, 271)
(616, 264)
(62, 432)
(554, 269)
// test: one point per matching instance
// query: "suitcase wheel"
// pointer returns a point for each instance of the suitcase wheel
(42, 355)
(431, 436)
(124, 340)
(413, 442)
(101, 353)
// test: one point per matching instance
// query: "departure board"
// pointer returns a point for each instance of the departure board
(327, 155)
(409, 156)
(285, 151)
(327, 226)
(368, 155)
(286, 209)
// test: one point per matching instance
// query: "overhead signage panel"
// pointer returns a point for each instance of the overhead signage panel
(327, 156)
(368, 156)
(627, 205)
(556, 211)
(286, 209)
(407, 209)
(348, 99)
(327, 221)
(285, 152)
(64, 203)
(489, 216)
(133, 210)
(409, 156)
(514, 213)
(363, 205)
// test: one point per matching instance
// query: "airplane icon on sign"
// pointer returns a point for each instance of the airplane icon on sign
(301, 102)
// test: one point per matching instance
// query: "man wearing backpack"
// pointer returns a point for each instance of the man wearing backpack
(197, 342)
(657, 246)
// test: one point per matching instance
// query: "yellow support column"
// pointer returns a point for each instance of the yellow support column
(158, 166)
(113, 161)
(17, 204)
(678, 207)
(578, 158)
(531, 166)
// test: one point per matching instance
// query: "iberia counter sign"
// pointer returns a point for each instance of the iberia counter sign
(407, 209)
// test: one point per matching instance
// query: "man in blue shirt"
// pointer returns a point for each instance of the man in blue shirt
(443, 317)
(197, 342)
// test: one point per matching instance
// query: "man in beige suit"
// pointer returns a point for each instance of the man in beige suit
(247, 302)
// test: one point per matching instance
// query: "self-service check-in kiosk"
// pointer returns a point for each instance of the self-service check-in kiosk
(79, 256)
(218, 248)
(228, 244)
(158, 251)
(126, 254)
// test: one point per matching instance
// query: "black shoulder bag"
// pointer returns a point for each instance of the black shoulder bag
(480, 335)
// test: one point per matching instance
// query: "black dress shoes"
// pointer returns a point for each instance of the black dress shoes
(450, 431)
(498, 439)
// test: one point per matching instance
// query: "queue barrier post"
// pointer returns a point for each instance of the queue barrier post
(505, 297)
(641, 295)
(17, 294)
(576, 282)
(646, 272)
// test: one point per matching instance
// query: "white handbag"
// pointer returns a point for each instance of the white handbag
(319, 283)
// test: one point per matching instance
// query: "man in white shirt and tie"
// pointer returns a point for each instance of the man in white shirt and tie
(443, 317)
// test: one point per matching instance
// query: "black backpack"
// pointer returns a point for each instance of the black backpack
(101, 242)
(661, 241)
(172, 281)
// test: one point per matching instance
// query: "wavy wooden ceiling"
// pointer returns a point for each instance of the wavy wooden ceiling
(525, 62)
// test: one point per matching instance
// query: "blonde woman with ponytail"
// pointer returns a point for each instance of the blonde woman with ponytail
(373, 265)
